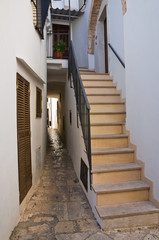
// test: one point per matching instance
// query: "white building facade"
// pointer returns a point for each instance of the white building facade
(23, 70)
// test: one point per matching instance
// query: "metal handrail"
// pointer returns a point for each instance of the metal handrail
(83, 107)
(34, 3)
(84, 4)
(122, 63)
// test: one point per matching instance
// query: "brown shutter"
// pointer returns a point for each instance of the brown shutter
(38, 102)
(23, 132)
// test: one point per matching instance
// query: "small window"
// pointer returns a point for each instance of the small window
(70, 116)
(38, 102)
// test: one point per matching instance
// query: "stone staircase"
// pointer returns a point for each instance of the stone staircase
(122, 198)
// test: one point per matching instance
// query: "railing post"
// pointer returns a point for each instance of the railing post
(89, 149)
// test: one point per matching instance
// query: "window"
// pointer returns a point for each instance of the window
(38, 102)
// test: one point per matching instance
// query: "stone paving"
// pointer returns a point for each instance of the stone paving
(59, 210)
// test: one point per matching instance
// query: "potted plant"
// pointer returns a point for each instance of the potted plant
(59, 48)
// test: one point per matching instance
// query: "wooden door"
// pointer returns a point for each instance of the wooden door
(106, 45)
(23, 133)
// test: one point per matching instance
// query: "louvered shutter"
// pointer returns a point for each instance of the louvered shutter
(23, 132)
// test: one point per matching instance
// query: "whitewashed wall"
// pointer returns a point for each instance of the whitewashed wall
(116, 39)
(18, 39)
(65, 4)
(80, 36)
(142, 82)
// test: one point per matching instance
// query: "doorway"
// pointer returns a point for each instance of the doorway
(61, 32)
(53, 119)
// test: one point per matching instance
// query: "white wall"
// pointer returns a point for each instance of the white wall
(8, 147)
(65, 4)
(116, 39)
(75, 143)
(80, 36)
(18, 39)
(142, 82)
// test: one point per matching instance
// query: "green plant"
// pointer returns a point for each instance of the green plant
(60, 46)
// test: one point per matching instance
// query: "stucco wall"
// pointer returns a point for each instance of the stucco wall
(80, 36)
(18, 39)
(142, 86)
(65, 4)
(116, 39)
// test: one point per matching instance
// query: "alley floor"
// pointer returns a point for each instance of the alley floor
(58, 208)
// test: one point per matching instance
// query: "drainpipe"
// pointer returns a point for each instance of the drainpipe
(69, 21)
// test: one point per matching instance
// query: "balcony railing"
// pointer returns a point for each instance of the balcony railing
(83, 107)
(56, 37)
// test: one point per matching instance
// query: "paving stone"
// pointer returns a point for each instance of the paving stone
(65, 227)
(74, 210)
(42, 228)
(43, 219)
(99, 236)
(133, 234)
(74, 236)
(150, 237)
(87, 225)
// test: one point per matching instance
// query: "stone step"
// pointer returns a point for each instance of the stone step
(114, 173)
(112, 156)
(114, 97)
(109, 141)
(100, 90)
(98, 83)
(83, 69)
(128, 215)
(95, 77)
(107, 107)
(107, 128)
(100, 117)
(119, 193)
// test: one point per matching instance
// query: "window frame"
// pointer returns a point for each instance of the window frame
(38, 102)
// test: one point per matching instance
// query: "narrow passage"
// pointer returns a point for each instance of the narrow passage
(58, 208)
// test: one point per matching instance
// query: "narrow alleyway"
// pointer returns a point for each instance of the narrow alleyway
(58, 208)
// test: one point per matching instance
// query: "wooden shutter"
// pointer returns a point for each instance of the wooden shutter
(23, 132)
(38, 102)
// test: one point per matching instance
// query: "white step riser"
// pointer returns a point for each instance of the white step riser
(100, 90)
(107, 107)
(109, 143)
(99, 99)
(122, 197)
(107, 118)
(114, 177)
(98, 83)
(118, 129)
(131, 221)
(112, 158)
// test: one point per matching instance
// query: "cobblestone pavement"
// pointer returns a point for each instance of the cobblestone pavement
(59, 210)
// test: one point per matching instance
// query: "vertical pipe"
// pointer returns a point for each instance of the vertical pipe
(69, 21)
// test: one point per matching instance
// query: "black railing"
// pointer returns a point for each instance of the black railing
(122, 63)
(83, 107)
(82, 3)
